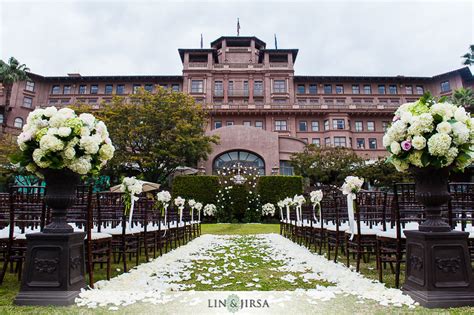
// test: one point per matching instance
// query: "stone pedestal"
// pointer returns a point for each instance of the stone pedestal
(54, 269)
(438, 269)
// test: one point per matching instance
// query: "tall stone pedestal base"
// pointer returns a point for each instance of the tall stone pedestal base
(54, 269)
(438, 269)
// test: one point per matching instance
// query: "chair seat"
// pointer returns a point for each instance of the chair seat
(99, 236)
(364, 231)
(342, 227)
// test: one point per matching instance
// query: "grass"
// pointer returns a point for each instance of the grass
(248, 252)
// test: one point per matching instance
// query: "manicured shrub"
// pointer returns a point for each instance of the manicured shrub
(274, 188)
(203, 189)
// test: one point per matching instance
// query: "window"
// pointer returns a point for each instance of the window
(109, 88)
(313, 89)
(392, 89)
(245, 158)
(301, 89)
(27, 102)
(136, 88)
(197, 86)
(149, 88)
(303, 126)
(229, 123)
(316, 142)
(82, 89)
(338, 124)
(286, 169)
(246, 88)
(247, 123)
(445, 87)
(370, 126)
(315, 126)
(279, 86)
(259, 124)
(218, 88)
(327, 142)
(94, 89)
(120, 89)
(339, 89)
(1, 118)
(420, 90)
(18, 123)
(280, 125)
(30, 86)
(340, 141)
(67, 89)
(359, 126)
(367, 89)
(175, 87)
(258, 88)
(217, 124)
(360, 143)
(355, 89)
(326, 125)
(408, 89)
(385, 125)
(372, 143)
(55, 89)
(381, 89)
(327, 89)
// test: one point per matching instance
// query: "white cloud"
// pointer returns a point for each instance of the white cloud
(334, 38)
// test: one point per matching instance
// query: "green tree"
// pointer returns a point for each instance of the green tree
(10, 73)
(382, 174)
(8, 147)
(469, 56)
(155, 133)
(326, 165)
(463, 97)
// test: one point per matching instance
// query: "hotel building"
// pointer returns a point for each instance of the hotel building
(260, 109)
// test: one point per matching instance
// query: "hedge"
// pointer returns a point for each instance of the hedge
(201, 188)
(274, 188)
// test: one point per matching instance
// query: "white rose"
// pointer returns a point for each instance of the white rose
(395, 147)
(418, 142)
(50, 111)
(64, 131)
(444, 127)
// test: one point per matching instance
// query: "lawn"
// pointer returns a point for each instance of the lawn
(240, 229)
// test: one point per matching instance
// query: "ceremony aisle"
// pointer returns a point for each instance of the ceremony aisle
(297, 278)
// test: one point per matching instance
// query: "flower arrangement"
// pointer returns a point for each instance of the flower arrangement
(352, 185)
(316, 196)
(131, 187)
(210, 210)
(429, 133)
(180, 203)
(59, 139)
(298, 200)
(268, 209)
(198, 207)
(163, 197)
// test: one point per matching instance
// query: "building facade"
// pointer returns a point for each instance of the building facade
(261, 110)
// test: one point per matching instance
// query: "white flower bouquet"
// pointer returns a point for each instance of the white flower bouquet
(131, 187)
(163, 197)
(316, 196)
(352, 185)
(299, 200)
(59, 139)
(210, 210)
(268, 209)
(429, 133)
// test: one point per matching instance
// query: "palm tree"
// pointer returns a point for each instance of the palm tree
(463, 97)
(469, 57)
(10, 73)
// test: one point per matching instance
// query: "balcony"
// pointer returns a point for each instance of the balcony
(237, 93)
(197, 65)
(278, 65)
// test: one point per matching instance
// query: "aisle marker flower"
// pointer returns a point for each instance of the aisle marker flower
(352, 185)
(210, 210)
(316, 196)
(281, 205)
(298, 201)
(130, 187)
(164, 198)
(268, 209)
(180, 202)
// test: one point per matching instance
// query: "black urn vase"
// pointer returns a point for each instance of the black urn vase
(54, 265)
(438, 268)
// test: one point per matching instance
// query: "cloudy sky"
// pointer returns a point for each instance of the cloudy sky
(142, 37)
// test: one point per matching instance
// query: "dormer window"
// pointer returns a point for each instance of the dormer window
(198, 58)
(278, 58)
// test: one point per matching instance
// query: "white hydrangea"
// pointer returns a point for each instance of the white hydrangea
(50, 111)
(415, 159)
(38, 155)
(106, 152)
(191, 202)
(51, 143)
(438, 144)
(451, 156)
(401, 166)
(164, 197)
(88, 119)
(418, 142)
(445, 110)
(64, 131)
(198, 206)
(316, 196)
(268, 209)
(179, 202)
(210, 210)
(461, 115)
(299, 200)
(90, 144)
(460, 133)
(352, 185)
(81, 165)
(444, 127)
(421, 124)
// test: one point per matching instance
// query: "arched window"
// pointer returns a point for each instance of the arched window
(18, 122)
(245, 158)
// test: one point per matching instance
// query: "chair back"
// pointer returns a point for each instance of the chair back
(370, 209)
(4, 210)
(111, 210)
(27, 208)
(461, 205)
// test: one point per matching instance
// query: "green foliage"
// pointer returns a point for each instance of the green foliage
(203, 189)
(274, 188)
(469, 57)
(328, 165)
(155, 133)
(463, 97)
(382, 174)
(12, 71)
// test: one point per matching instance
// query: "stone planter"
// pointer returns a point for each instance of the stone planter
(54, 267)
(438, 267)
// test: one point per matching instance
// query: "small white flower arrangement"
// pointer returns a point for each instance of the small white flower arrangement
(429, 133)
(198, 206)
(210, 210)
(299, 200)
(352, 185)
(59, 139)
(163, 197)
(191, 203)
(316, 196)
(268, 209)
(131, 187)
(179, 202)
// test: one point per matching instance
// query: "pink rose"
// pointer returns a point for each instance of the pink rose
(406, 145)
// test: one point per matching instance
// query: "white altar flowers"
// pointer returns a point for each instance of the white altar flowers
(180, 203)
(429, 133)
(131, 187)
(315, 197)
(210, 210)
(59, 139)
(268, 209)
(352, 185)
